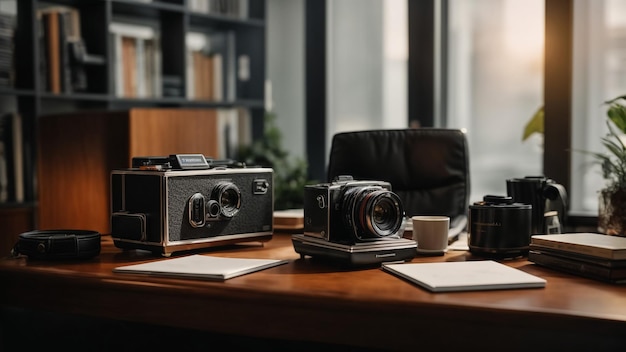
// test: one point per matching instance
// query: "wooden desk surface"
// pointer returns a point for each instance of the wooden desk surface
(311, 300)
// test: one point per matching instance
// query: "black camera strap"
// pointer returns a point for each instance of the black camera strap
(58, 244)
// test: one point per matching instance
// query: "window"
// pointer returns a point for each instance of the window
(367, 65)
(495, 85)
(599, 75)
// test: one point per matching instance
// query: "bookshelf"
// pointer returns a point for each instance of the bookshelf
(83, 72)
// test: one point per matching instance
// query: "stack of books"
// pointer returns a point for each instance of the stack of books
(592, 255)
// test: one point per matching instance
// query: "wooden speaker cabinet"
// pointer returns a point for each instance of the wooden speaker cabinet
(77, 152)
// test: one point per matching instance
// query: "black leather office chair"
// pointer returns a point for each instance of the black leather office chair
(427, 167)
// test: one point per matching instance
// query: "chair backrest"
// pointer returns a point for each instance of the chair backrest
(427, 167)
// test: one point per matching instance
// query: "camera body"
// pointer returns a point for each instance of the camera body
(348, 211)
(186, 202)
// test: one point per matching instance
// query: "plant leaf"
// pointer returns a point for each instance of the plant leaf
(614, 148)
(617, 114)
(535, 125)
(623, 97)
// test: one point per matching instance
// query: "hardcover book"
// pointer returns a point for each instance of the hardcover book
(609, 263)
(592, 244)
(578, 267)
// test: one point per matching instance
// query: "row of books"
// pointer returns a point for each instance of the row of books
(210, 66)
(137, 59)
(205, 66)
(592, 255)
(7, 31)
(63, 53)
(11, 158)
(234, 8)
(137, 53)
(205, 83)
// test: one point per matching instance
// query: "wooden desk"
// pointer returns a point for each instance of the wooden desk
(314, 302)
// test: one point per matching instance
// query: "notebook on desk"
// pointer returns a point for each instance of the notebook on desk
(201, 267)
(464, 276)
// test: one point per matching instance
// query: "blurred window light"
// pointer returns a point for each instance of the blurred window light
(599, 75)
(495, 85)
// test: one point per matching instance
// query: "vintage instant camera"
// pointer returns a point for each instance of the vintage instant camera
(358, 221)
(186, 202)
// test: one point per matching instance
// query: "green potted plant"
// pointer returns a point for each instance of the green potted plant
(612, 198)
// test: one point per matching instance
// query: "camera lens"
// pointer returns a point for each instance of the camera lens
(228, 196)
(373, 212)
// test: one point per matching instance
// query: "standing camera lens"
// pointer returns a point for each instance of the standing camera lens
(373, 212)
(228, 196)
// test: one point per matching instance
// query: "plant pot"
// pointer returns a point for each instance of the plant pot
(612, 212)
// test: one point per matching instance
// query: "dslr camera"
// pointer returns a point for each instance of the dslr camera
(186, 202)
(348, 211)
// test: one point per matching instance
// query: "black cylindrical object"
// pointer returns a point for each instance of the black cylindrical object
(500, 227)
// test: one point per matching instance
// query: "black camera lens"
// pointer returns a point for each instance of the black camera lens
(373, 212)
(384, 214)
(228, 196)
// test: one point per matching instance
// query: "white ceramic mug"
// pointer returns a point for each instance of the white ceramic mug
(431, 233)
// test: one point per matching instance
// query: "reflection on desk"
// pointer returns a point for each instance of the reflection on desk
(316, 303)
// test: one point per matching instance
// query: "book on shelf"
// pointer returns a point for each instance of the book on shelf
(577, 266)
(11, 158)
(65, 35)
(7, 32)
(234, 8)
(229, 66)
(588, 243)
(172, 86)
(137, 64)
(204, 72)
(129, 66)
(50, 23)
